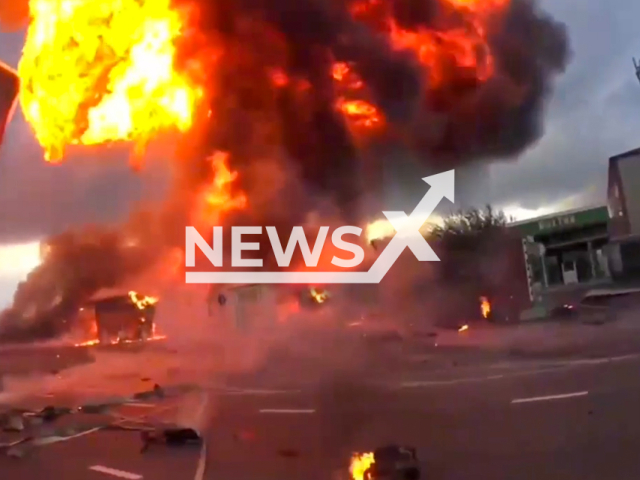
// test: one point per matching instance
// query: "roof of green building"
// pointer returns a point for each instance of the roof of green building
(562, 221)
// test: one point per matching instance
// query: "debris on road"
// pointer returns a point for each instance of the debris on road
(289, 453)
(38, 427)
(176, 436)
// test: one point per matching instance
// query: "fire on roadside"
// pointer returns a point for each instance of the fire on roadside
(360, 464)
(141, 302)
(463, 328)
(485, 307)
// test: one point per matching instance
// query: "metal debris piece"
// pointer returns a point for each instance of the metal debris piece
(51, 413)
(12, 422)
(157, 392)
(289, 452)
(171, 437)
(394, 462)
(97, 408)
(16, 452)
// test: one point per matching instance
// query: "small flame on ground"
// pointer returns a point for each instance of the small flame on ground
(485, 307)
(463, 328)
(360, 463)
(319, 296)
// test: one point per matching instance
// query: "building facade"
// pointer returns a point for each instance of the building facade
(566, 249)
(623, 201)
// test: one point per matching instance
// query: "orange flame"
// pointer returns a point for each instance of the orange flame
(220, 196)
(485, 307)
(99, 71)
(360, 112)
(319, 296)
(360, 463)
(142, 301)
(464, 47)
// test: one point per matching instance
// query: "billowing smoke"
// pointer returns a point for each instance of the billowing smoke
(480, 95)
(453, 82)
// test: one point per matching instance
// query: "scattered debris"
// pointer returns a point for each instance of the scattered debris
(38, 426)
(288, 453)
(12, 422)
(177, 436)
(51, 413)
(156, 392)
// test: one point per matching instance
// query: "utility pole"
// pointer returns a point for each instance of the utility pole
(637, 67)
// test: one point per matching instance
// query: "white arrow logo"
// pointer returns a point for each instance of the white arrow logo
(407, 236)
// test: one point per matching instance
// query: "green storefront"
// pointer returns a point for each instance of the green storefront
(566, 248)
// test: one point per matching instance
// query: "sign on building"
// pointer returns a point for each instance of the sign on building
(557, 222)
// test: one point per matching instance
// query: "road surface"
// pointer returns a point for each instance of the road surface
(573, 421)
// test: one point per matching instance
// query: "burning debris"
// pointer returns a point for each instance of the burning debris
(391, 462)
(360, 463)
(276, 106)
(318, 296)
(485, 307)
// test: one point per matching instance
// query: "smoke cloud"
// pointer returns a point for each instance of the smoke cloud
(273, 96)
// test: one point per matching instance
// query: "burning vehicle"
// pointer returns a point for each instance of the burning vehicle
(9, 86)
(118, 318)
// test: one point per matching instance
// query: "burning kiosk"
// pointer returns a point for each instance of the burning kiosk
(122, 317)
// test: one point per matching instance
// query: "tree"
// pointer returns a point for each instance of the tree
(471, 247)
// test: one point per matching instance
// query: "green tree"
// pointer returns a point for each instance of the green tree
(471, 245)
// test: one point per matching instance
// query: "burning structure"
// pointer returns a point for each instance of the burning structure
(280, 110)
(119, 318)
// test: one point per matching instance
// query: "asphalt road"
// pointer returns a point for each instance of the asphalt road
(578, 421)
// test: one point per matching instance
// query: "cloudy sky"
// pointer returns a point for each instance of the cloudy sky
(594, 114)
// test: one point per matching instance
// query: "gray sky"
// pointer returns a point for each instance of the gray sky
(594, 113)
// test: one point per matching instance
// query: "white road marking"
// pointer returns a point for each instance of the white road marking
(285, 410)
(55, 439)
(140, 405)
(550, 397)
(202, 462)
(116, 473)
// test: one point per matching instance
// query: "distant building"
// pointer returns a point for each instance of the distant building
(623, 198)
(566, 249)
(9, 88)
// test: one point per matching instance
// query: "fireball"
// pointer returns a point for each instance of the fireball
(102, 71)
